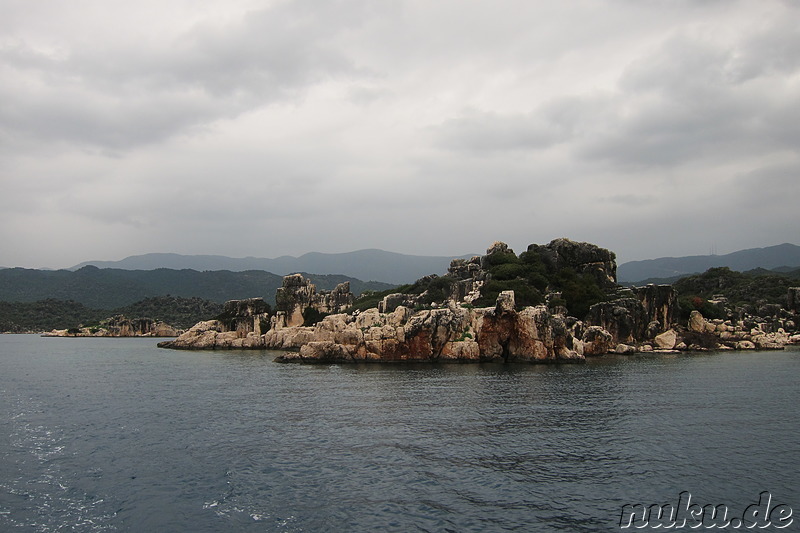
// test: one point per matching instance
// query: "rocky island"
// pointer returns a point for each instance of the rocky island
(558, 302)
(120, 326)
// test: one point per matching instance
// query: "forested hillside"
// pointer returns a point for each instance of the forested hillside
(46, 315)
(113, 288)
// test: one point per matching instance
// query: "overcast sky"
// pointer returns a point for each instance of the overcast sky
(263, 128)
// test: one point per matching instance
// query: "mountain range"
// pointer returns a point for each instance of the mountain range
(110, 288)
(771, 257)
(395, 268)
(367, 265)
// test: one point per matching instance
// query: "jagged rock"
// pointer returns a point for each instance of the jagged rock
(498, 247)
(582, 257)
(241, 325)
(667, 340)
(654, 329)
(625, 319)
(512, 336)
(250, 315)
(467, 350)
(597, 341)
(638, 314)
(298, 294)
(771, 341)
(451, 333)
(745, 345)
(696, 322)
(470, 279)
(201, 336)
(505, 302)
(393, 301)
(661, 306)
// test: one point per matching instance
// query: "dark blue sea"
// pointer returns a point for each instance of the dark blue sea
(118, 435)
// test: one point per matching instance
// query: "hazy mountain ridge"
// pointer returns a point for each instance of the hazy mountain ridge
(786, 256)
(102, 288)
(367, 265)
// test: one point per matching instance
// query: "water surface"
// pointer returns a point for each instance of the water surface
(118, 435)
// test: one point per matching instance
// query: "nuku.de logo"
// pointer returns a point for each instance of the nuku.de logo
(759, 515)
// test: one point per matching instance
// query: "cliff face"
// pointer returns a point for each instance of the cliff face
(298, 294)
(452, 333)
(245, 316)
(582, 257)
(640, 314)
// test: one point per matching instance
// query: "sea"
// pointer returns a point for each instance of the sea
(115, 434)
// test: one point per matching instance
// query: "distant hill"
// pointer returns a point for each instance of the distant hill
(46, 315)
(106, 288)
(368, 265)
(751, 290)
(783, 255)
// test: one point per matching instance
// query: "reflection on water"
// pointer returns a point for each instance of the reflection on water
(117, 435)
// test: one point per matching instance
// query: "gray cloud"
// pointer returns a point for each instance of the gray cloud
(133, 93)
(246, 128)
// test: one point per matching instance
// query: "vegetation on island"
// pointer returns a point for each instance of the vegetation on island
(49, 314)
(527, 275)
(717, 288)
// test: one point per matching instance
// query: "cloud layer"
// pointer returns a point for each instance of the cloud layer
(268, 128)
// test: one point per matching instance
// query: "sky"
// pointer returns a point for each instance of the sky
(265, 128)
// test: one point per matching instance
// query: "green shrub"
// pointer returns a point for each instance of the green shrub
(311, 316)
(370, 299)
(500, 258)
(579, 291)
(508, 271)
(689, 303)
(524, 293)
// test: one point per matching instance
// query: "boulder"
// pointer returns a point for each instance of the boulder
(597, 341)
(201, 336)
(667, 340)
(696, 322)
(505, 302)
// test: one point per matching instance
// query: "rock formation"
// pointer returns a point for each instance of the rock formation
(640, 313)
(470, 279)
(451, 333)
(298, 294)
(245, 316)
(581, 257)
(446, 326)
(120, 326)
(241, 325)
(793, 300)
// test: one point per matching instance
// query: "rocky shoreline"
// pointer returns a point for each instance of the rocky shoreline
(403, 327)
(120, 326)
